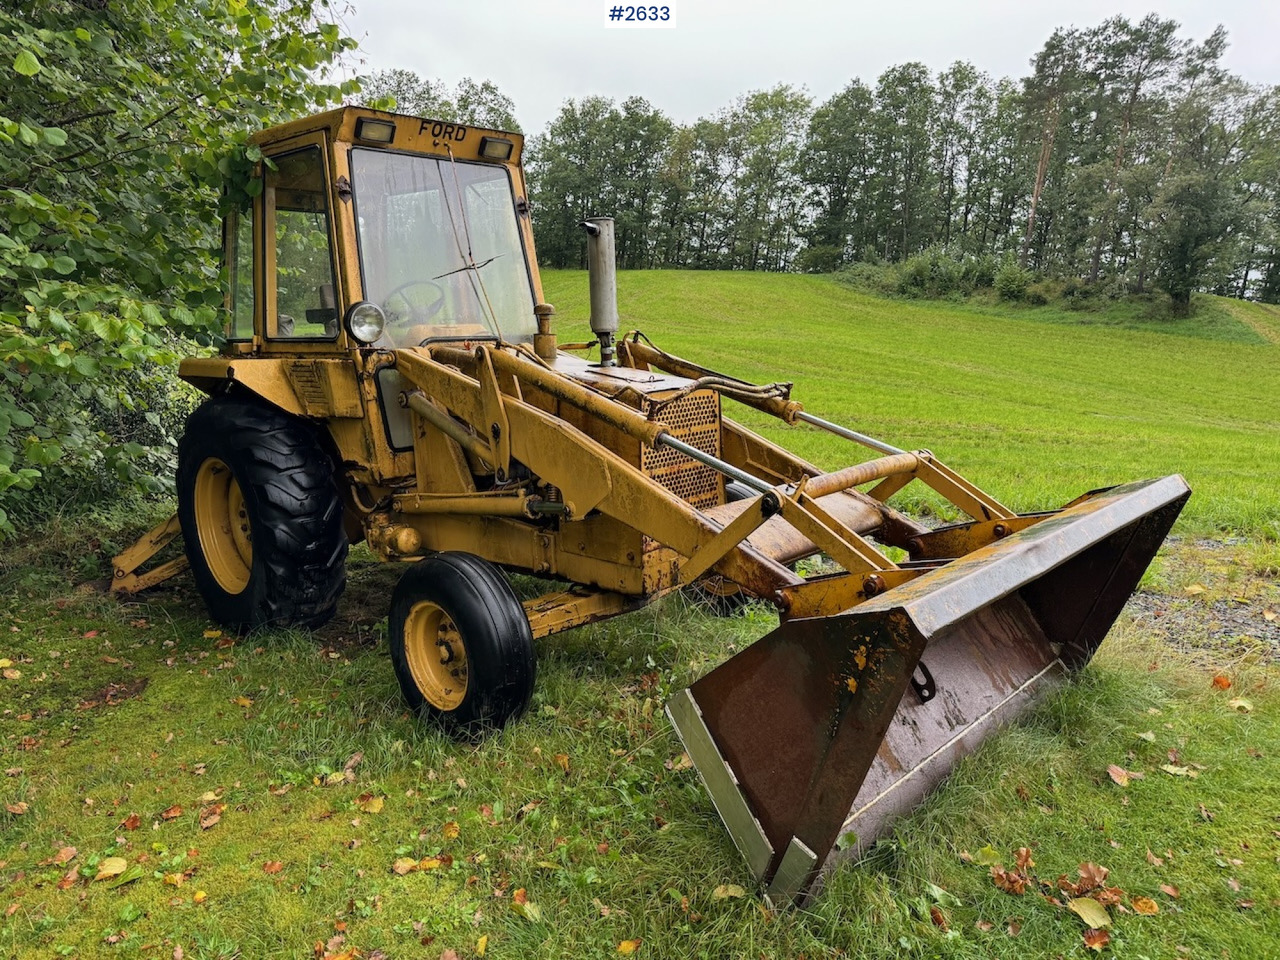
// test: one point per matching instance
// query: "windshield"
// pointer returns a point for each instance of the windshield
(440, 248)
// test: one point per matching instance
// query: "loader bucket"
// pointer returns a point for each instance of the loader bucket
(829, 727)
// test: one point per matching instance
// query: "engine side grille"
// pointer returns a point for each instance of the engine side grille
(695, 419)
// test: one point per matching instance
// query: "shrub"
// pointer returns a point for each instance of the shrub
(931, 273)
(820, 259)
(869, 277)
(1044, 292)
(979, 273)
(1012, 281)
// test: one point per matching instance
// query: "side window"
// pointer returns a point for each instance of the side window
(297, 206)
(238, 273)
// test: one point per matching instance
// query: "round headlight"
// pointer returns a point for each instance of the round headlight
(365, 321)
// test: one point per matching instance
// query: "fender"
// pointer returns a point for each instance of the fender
(320, 389)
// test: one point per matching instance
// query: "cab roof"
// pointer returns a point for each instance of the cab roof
(412, 134)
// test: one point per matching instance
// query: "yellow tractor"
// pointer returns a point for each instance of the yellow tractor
(391, 374)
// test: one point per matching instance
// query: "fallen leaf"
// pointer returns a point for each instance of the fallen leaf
(1169, 890)
(173, 813)
(368, 803)
(404, 865)
(1195, 589)
(272, 866)
(1241, 704)
(1221, 682)
(562, 761)
(450, 830)
(111, 867)
(430, 863)
(1023, 859)
(175, 879)
(986, 926)
(1268, 615)
(1175, 771)
(1090, 911)
(242, 701)
(17, 809)
(199, 897)
(1147, 735)
(65, 855)
(9, 673)
(1096, 939)
(1092, 876)
(628, 947)
(939, 919)
(5, 662)
(1014, 928)
(1009, 881)
(482, 945)
(1118, 774)
(681, 762)
(527, 909)
(1145, 906)
(1154, 860)
(68, 879)
(212, 634)
(727, 890)
(988, 856)
(1205, 813)
(211, 814)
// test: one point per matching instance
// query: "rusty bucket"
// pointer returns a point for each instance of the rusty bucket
(830, 727)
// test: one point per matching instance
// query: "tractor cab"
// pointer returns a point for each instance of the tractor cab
(377, 230)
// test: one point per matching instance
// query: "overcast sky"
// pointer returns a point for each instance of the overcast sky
(542, 52)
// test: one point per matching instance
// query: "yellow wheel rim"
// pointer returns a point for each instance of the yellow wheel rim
(436, 654)
(222, 525)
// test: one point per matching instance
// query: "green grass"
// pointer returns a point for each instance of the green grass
(1030, 403)
(176, 731)
(120, 709)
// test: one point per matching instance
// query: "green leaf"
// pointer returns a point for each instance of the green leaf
(55, 136)
(64, 265)
(135, 872)
(26, 64)
(988, 856)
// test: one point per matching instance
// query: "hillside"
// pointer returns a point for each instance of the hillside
(1035, 410)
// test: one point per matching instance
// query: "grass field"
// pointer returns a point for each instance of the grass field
(258, 792)
(1035, 405)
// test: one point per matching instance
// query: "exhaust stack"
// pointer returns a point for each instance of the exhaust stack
(603, 278)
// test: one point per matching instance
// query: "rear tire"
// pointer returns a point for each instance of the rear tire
(461, 644)
(261, 516)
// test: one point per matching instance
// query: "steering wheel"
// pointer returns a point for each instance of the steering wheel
(416, 313)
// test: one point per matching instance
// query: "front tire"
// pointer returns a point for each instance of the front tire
(461, 644)
(261, 516)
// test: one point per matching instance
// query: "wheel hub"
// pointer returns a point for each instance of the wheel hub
(222, 525)
(436, 655)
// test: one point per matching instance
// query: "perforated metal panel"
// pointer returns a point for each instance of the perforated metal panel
(695, 419)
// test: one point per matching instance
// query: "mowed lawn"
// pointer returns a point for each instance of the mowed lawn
(1035, 411)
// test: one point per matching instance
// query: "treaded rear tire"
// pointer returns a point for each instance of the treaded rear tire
(493, 628)
(294, 512)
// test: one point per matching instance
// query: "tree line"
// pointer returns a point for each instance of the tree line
(1128, 158)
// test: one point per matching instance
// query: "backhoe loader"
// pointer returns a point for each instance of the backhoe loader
(391, 375)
